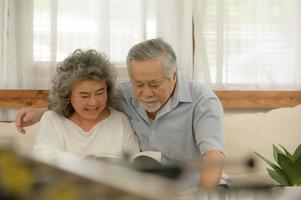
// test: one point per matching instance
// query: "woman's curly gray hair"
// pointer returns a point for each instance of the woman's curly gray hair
(80, 66)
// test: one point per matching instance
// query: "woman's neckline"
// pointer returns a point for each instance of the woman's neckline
(90, 127)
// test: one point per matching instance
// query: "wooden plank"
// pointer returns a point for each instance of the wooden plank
(258, 99)
(17, 99)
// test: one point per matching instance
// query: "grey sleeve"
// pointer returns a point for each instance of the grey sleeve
(208, 124)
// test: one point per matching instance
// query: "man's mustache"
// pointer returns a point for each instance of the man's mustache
(149, 100)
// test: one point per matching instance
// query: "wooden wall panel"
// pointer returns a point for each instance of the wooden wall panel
(259, 99)
(23, 98)
(230, 99)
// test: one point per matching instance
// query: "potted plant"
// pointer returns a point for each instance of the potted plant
(287, 171)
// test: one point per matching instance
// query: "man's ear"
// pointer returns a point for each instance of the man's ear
(174, 76)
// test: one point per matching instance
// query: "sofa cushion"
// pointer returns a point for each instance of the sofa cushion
(246, 133)
(21, 143)
(7, 132)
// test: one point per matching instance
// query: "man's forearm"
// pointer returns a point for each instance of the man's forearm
(42, 111)
(27, 117)
(211, 170)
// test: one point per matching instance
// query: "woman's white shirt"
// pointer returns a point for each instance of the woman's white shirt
(109, 138)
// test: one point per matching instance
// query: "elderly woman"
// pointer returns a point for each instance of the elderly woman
(79, 120)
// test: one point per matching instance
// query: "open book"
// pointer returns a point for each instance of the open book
(146, 160)
(151, 162)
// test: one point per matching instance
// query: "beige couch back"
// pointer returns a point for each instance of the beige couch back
(247, 133)
(244, 134)
(21, 143)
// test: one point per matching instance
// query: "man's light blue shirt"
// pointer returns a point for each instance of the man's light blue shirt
(185, 128)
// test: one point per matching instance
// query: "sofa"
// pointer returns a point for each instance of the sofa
(245, 133)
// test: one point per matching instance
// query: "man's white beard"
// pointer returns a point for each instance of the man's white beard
(151, 107)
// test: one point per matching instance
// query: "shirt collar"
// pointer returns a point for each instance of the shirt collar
(182, 91)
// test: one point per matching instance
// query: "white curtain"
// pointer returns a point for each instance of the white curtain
(8, 66)
(248, 44)
(226, 44)
(174, 24)
(7, 44)
(36, 34)
(49, 30)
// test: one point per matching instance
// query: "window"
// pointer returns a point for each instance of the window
(252, 44)
(112, 27)
(239, 44)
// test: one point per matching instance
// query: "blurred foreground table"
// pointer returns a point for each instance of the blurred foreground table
(70, 177)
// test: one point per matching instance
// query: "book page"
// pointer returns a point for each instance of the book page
(153, 154)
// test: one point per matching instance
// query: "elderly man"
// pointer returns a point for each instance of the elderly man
(178, 117)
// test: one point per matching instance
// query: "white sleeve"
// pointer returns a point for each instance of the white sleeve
(130, 143)
(47, 145)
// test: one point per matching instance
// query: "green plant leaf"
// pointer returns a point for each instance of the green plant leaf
(276, 151)
(278, 170)
(298, 164)
(297, 153)
(267, 161)
(288, 154)
(290, 169)
(282, 180)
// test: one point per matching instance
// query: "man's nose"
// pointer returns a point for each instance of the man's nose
(148, 92)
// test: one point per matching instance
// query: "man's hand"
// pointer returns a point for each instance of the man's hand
(211, 170)
(28, 117)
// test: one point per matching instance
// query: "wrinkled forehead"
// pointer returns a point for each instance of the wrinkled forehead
(149, 69)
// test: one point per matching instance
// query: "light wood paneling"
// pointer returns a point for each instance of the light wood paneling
(230, 99)
(15, 99)
(258, 99)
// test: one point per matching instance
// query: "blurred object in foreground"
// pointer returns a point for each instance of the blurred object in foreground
(71, 178)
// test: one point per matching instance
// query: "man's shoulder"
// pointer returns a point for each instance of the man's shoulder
(124, 84)
(198, 89)
(125, 87)
(203, 96)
